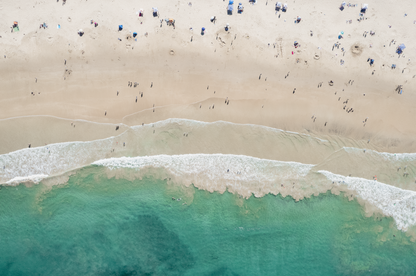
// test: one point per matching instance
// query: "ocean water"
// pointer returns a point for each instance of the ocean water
(182, 197)
(95, 225)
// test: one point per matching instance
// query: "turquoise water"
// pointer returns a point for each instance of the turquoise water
(98, 226)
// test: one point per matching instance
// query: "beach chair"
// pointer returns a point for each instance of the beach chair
(155, 12)
(278, 6)
(284, 9)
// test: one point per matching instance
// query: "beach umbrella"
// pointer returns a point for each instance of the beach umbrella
(400, 48)
(231, 2)
(120, 27)
(203, 29)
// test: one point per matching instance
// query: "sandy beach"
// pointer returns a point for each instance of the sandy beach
(178, 138)
(183, 74)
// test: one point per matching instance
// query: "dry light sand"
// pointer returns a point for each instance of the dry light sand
(183, 74)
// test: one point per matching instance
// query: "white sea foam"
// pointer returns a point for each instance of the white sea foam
(31, 178)
(55, 159)
(52, 159)
(246, 175)
(386, 155)
(218, 172)
(249, 175)
(392, 201)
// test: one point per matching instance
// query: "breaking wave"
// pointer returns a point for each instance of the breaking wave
(164, 137)
(246, 175)
(224, 156)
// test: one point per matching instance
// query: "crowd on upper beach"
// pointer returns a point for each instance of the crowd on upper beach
(279, 8)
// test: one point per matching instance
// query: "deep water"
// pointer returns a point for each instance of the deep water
(98, 226)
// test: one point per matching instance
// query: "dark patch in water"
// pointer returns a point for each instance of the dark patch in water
(222, 271)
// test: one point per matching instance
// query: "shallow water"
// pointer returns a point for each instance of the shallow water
(99, 226)
(267, 160)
